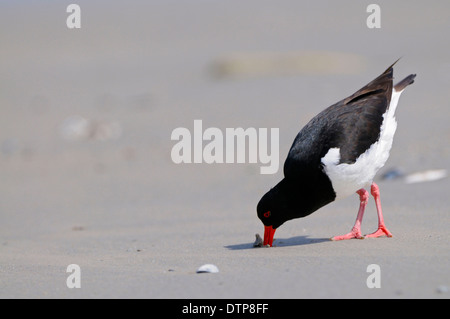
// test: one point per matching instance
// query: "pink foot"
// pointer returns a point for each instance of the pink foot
(356, 230)
(355, 233)
(382, 231)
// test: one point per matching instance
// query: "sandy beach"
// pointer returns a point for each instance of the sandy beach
(87, 176)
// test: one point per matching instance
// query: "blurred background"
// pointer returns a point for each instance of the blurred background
(86, 114)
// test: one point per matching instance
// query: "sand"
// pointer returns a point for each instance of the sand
(87, 178)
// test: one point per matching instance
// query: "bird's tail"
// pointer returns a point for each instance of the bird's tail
(391, 66)
(400, 86)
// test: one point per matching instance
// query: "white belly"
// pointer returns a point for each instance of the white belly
(348, 178)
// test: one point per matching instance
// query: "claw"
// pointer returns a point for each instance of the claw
(351, 235)
(382, 231)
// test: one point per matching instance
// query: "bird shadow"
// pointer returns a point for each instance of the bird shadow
(283, 242)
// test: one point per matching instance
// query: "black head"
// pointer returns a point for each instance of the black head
(273, 210)
(290, 199)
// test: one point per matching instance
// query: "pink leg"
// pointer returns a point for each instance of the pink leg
(356, 230)
(382, 230)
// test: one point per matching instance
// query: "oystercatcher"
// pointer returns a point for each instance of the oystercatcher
(335, 155)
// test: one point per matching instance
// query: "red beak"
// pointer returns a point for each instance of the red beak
(269, 231)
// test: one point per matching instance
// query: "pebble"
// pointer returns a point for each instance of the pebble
(393, 173)
(442, 289)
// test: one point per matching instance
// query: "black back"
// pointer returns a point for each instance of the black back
(352, 125)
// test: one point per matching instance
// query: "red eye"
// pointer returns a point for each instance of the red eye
(267, 214)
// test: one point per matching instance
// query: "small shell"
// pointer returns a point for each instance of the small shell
(258, 242)
(75, 128)
(208, 268)
(426, 176)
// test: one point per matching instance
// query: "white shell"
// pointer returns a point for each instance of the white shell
(210, 268)
(75, 128)
(426, 176)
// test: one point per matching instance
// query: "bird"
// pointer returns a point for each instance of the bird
(337, 154)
